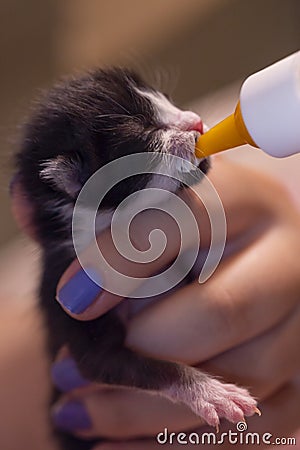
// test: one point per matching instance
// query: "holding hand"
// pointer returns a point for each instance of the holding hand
(242, 324)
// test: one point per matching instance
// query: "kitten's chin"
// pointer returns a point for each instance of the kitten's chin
(193, 177)
(204, 165)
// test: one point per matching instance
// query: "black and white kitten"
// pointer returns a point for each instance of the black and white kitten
(81, 125)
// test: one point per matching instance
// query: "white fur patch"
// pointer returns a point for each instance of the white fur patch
(179, 138)
(168, 114)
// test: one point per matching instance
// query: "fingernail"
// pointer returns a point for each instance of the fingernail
(71, 416)
(80, 291)
(66, 376)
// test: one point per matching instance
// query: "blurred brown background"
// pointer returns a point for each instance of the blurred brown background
(202, 44)
(205, 48)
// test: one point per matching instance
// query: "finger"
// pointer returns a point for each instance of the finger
(280, 419)
(117, 276)
(116, 413)
(240, 301)
(265, 363)
(66, 376)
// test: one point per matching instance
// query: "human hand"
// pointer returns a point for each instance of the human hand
(243, 322)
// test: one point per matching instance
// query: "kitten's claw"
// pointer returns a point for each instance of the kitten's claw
(257, 411)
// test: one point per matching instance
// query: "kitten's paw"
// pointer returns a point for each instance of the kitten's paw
(212, 399)
(228, 401)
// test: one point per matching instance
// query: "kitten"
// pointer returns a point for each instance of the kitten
(81, 125)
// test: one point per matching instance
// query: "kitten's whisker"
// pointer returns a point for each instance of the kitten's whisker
(111, 116)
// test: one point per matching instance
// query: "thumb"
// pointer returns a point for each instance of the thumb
(105, 274)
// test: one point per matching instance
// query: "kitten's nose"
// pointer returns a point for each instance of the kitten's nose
(197, 126)
(191, 122)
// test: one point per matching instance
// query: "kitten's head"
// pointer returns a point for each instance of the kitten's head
(86, 122)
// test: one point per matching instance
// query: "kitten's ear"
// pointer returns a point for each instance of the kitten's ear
(63, 173)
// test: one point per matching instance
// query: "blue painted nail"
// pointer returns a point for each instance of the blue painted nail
(71, 416)
(80, 291)
(66, 376)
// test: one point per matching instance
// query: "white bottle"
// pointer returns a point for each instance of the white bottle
(267, 115)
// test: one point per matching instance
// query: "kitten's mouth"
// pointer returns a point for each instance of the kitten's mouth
(187, 151)
(182, 143)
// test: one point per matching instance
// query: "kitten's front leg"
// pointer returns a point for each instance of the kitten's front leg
(206, 396)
